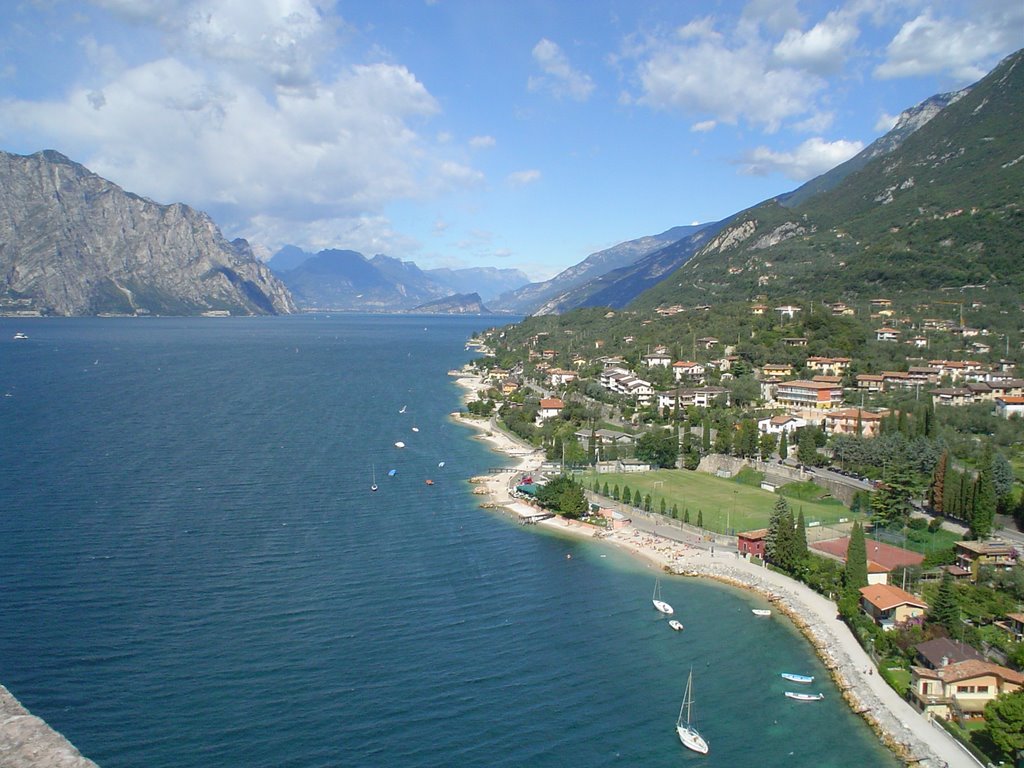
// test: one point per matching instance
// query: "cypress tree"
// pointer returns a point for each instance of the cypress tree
(627, 495)
(647, 502)
(945, 609)
(604, 490)
(984, 499)
(663, 505)
(800, 536)
(675, 511)
(597, 486)
(776, 541)
(784, 444)
(686, 515)
(937, 493)
(705, 438)
(700, 519)
(615, 492)
(636, 498)
(855, 574)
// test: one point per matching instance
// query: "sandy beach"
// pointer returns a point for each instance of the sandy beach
(904, 730)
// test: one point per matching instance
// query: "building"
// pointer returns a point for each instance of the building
(854, 421)
(660, 359)
(1009, 405)
(787, 310)
(883, 558)
(889, 606)
(954, 396)
(960, 690)
(776, 425)
(972, 555)
(941, 652)
(752, 543)
(809, 394)
(559, 377)
(689, 370)
(550, 407)
(829, 366)
(887, 334)
(870, 382)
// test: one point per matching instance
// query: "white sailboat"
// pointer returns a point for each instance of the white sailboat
(373, 470)
(688, 734)
(660, 604)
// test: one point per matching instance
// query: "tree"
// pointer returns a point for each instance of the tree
(636, 498)
(766, 444)
(573, 502)
(936, 493)
(705, 437)
(686, 515)
(1002, 480)
(800, 537)
(984, 510)
(784, 445)
(615, 492)
(746, 439)
(945, 610)
(806, 448)
(675, 511)
(658, 447)
(663, 505)
(855, 575)
(1004, 718)
(627, 495)
(775, 544)
(604, 489)
(647, 503)
(890, 504)
(700, 519)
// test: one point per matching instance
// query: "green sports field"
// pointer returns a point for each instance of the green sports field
(726, 505)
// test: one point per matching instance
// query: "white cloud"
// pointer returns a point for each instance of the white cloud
(559, 78)
(812, 158)
(821, 49)
(482, 142)
(703, 126)
(816, 123)
(697, 72)
(886, 122)
(522, 178)
(962, 48)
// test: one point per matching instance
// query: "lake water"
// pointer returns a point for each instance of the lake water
(194, 572)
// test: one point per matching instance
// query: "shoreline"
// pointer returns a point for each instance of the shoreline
(900, 728)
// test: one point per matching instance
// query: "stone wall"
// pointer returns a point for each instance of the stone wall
(28, 742)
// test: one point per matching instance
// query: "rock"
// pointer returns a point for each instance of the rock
(28, 742)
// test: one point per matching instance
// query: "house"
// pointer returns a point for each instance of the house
(509, 385)
(550, 407)
(1009, 405)
(752, 543)
(605, 437)
(707, 342)
(829, 366)
(871, 382)
(702, 397)
(955, 396)
(920, 342)
(887, 334)
(686, 369)
(972, 555)
(776, 425)
(854, 421)
(661, 359)
(881, 303)
(787, 310)
(548, 354)
(840, 309)
(776, 371)
(961, 690)
(795, 341)
(809, 394)
(941, 652)
(758, 309)
(1013, 625)
(883, 558)
(889, 606)
(559, 377)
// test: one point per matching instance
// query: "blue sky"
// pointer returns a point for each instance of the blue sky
(475, 132)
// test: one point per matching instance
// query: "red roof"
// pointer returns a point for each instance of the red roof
(886, 596)
(886, 555)
(552, 403)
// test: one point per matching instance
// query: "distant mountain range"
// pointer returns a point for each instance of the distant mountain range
(337, 279)
(73, 243)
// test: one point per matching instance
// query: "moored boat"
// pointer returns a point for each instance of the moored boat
(687, 732)
(760, 612)
(794, 678)
(676, 625)
(805, 696)
(660, 604)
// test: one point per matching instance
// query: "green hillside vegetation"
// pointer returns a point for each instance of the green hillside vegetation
(724, 505)
(941, 212)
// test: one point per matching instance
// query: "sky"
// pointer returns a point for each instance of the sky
(456, 133)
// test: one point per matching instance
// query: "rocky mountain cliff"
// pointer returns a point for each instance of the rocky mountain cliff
(459, 304)
(73, 243)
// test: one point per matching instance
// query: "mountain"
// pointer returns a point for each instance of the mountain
(338, 279)
(73, 243)
(941, 210)
(535, 297)
(458, 304)
(489, 282)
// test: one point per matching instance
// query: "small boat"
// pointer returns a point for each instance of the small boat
(20, 336)
(429, 482)
(399, 444)
(373, 486)
(402, 409)
(676, 624)
(805, 696)
(660, 604)
(392, 472)
(793, 678)
(440, 464)
(687, 733)
(415, 429)
(760, 612)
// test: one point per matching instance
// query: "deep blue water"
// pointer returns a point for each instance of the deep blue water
(193, 571)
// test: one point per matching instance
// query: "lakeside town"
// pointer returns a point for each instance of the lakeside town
(884, 483)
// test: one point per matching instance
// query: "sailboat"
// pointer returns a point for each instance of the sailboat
(688, 734)
(660, 604)
(373, 470)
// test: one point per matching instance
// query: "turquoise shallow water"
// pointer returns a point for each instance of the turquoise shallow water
(193, 571)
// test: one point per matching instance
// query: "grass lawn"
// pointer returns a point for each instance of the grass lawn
(726, 505)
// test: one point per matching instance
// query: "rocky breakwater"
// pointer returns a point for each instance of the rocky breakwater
(908, 735)
(28, 742)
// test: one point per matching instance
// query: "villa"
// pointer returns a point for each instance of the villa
(890, 606)
(960, 690)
